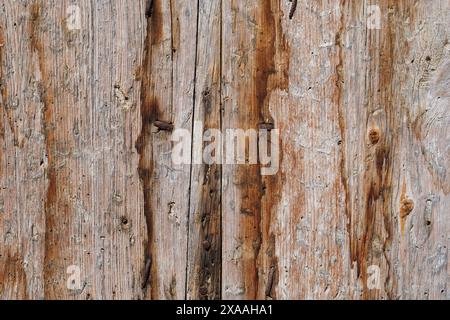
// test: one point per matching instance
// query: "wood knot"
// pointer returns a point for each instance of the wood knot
(406, 206)
(293, 8)
(149, 8)
(374, 135)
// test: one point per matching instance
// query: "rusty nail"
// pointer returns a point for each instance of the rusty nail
(163, 125)
(266, 126)
(246, 212)
(206, 245)
(293, 8)
(148, 265)
(270, 279)
(148, 8)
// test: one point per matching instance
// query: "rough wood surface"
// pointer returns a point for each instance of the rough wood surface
(88, 109)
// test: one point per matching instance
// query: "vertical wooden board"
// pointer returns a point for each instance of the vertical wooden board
(43, 78)
(114, 208)
(271, 66)
(241, 183)
(80, 116)
(353, 164)
(83, 148)
(422, 87)
(255, 80)
(166, 104)
(370, 170)
(22, 159)
(387, 180)
(184, 38)
(310, 239)
(204, 243)
(156, 91)
(87, 219)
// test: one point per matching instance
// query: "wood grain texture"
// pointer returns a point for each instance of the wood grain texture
(91, 93)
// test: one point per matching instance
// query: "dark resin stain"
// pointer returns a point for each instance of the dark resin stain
(46, 94)
(207, 282)
(260, 193)
(339, 102)
(149, 114)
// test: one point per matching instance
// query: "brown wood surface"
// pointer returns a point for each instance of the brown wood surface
(86, 172)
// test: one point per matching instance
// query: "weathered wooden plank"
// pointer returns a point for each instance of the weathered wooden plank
(271, 75)
(22, 160)
(309, 223)
(420, 89)
(79, 102)
(85, 201)
(204, 249)
(117, 219)
(240, 183)
(167, 97)
(388, 193)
